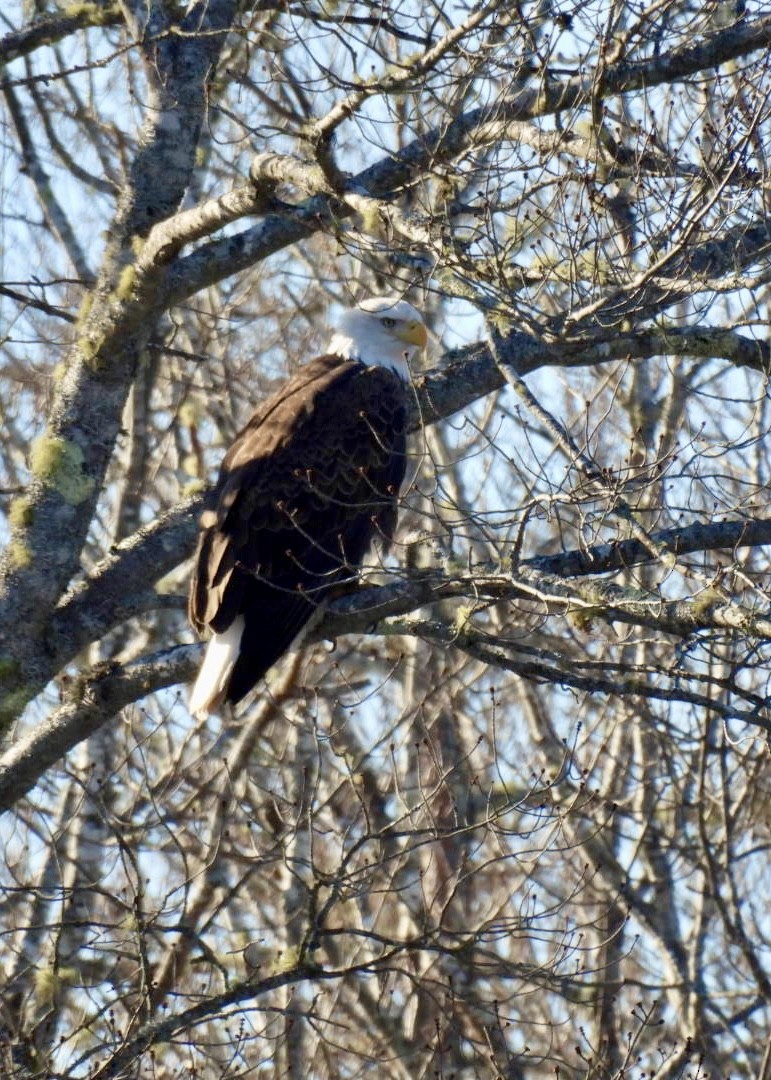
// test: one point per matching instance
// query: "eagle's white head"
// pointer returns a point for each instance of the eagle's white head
(383, 330)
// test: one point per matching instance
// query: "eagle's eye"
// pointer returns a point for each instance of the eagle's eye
(388, 322)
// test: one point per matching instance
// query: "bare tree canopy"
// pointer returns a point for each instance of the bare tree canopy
(504, 814)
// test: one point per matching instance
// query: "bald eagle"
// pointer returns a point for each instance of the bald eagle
(306, 488)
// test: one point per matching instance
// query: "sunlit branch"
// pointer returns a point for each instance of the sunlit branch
(48, 30)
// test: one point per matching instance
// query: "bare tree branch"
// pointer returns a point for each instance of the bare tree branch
(53, 28)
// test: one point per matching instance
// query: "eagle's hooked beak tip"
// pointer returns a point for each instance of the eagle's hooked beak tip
(415, 333)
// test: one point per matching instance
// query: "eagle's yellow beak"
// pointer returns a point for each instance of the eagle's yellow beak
(413, 333)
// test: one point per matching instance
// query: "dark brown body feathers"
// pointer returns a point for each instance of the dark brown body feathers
(307, 486)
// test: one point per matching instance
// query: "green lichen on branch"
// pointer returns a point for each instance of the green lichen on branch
(89, 349)
(20, 513)
(49, 980)
(19, 555)
(60, 463)
(84, 310)
(371, 218)
(463, 618)
(704, 603)
(126, 282)
(193, 487)
(189, 413)
(88, 14)
(582, 618)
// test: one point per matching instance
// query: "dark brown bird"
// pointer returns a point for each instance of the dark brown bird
(306, 488)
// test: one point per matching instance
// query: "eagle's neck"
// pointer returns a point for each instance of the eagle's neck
(377, 353)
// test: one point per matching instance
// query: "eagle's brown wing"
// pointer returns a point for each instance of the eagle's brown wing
(308, 485)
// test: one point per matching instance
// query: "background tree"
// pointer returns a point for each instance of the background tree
(515, 823)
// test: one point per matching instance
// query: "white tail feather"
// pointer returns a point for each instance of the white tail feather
(212, 681)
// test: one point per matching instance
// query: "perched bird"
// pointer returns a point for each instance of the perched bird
(306, 488)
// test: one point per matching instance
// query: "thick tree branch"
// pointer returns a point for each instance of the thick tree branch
(98, 697)
(169, 236)
(98, 603)
(51, 29)
(69, 463)
(619, 555)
